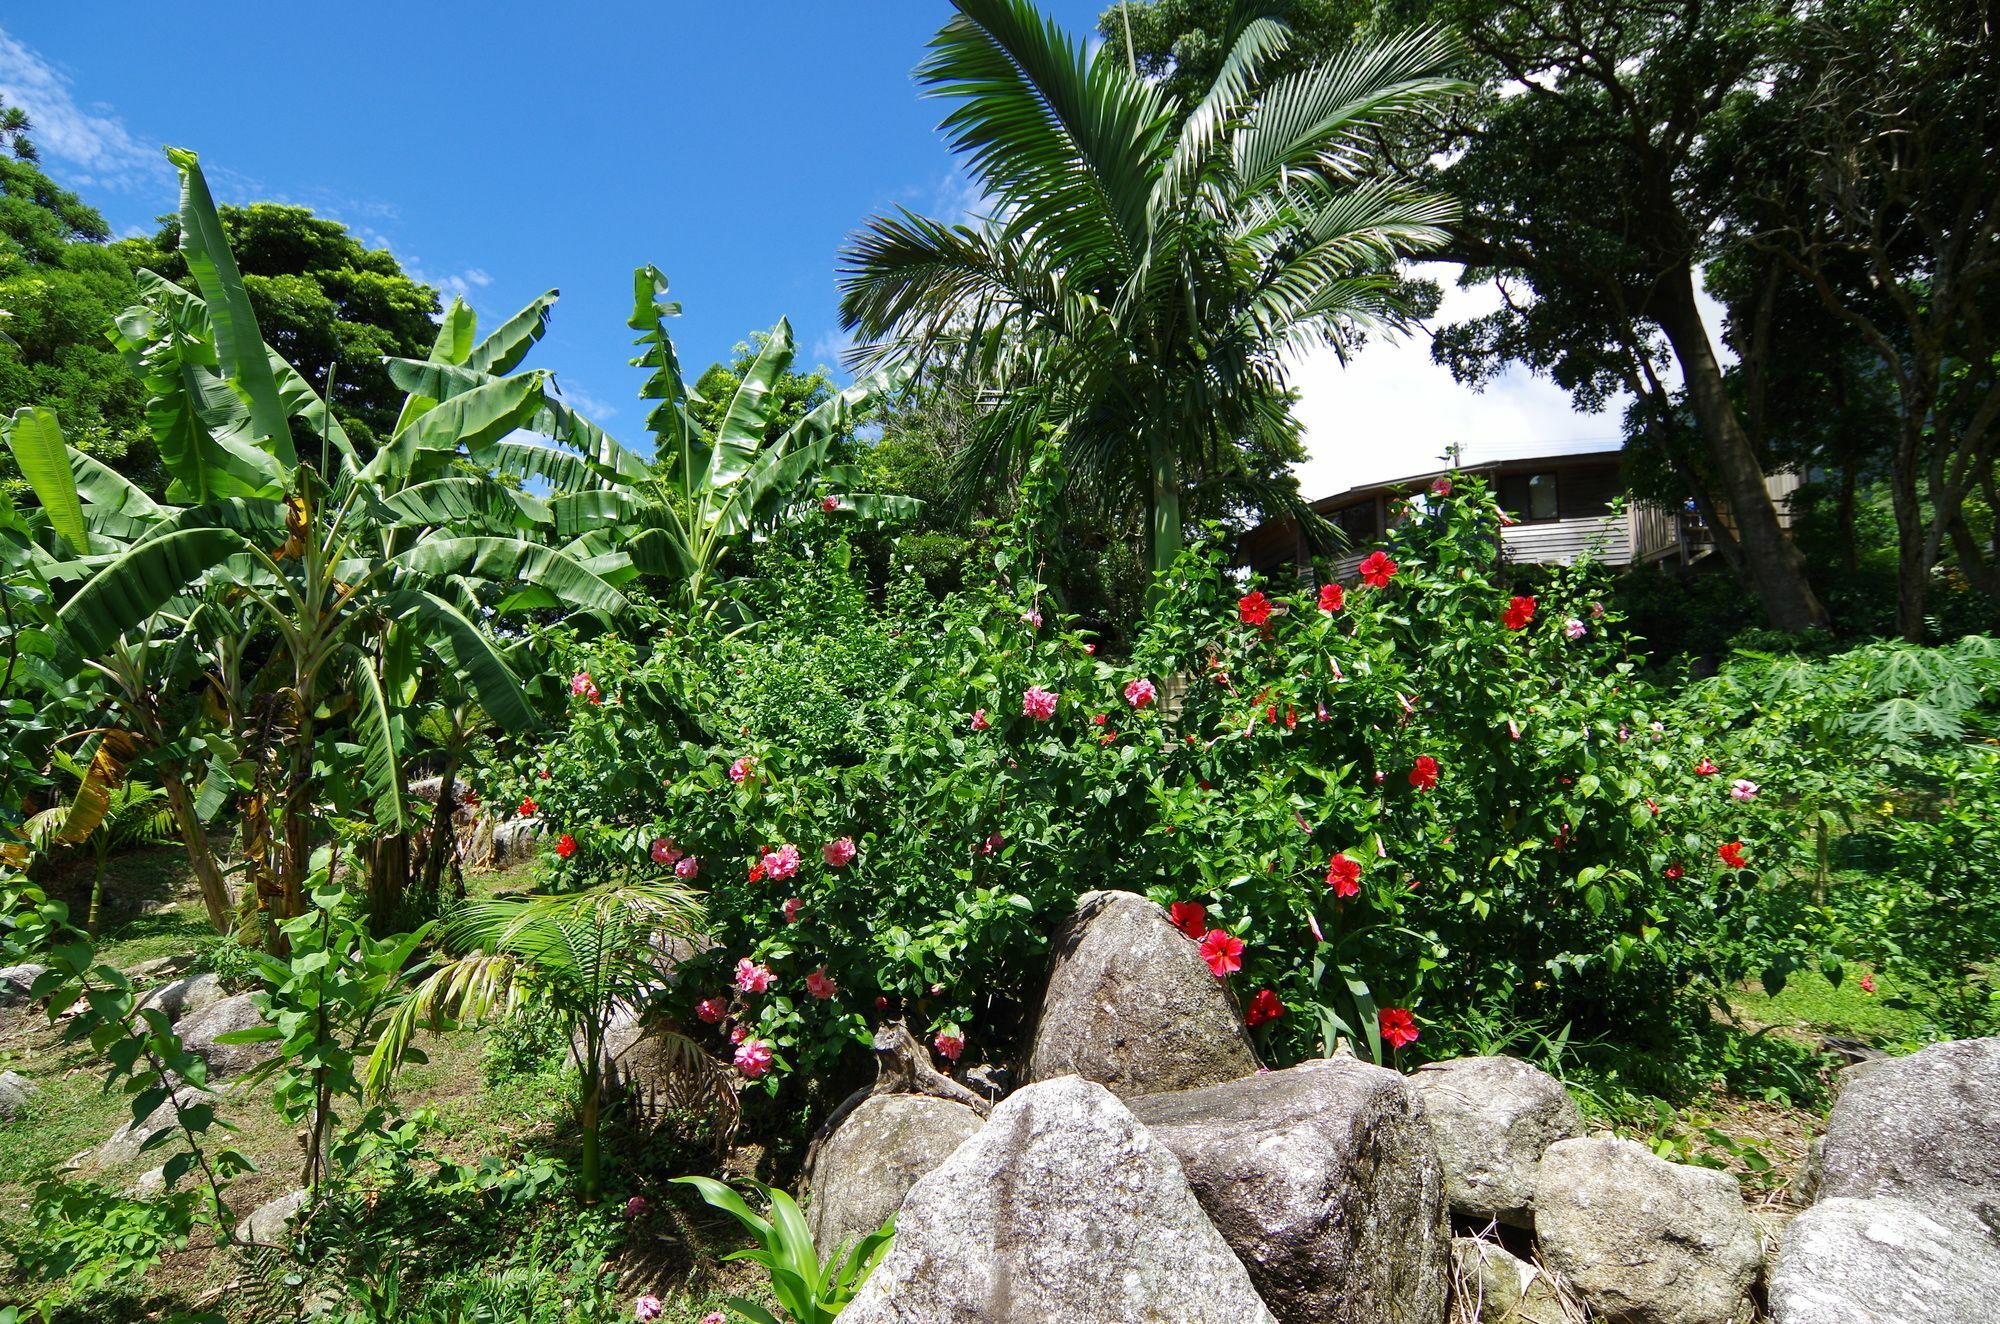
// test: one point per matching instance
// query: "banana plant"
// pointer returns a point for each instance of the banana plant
(314, 594)
(704, 492)
(104, 813)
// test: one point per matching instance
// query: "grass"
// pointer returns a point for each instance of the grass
(1811, 1004)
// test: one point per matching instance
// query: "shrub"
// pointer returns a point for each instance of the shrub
(1563, 863)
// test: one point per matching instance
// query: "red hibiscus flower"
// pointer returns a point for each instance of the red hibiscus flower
(1264, 1007)
(756, 874)
(829, 504)
(1705, 769)
(1377, 570)
(1332, 597)
(949, 1045)
(1190, 917)
(1343, 875)
(1254, 607)
(528, 806)
(1399, 1028)
(1424, 776)
(1673, 871)
(1519, 612)
(712, 1010)
(565, 845)
(1223, 951)
(1732, 855)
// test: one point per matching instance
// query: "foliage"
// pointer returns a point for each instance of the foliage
(335, 310)
(809, 1290)
(1565, 865)
(587, 957)
(1150, 258)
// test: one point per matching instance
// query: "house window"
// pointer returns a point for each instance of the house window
(1529, 496)
(1357, 522)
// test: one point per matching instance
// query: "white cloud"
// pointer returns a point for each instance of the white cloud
(1391, 411)
(460, 283)
(589, 405)
(93, 140)
(830, 348)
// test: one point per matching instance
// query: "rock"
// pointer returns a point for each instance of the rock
(1886, 1261)
(1324, 1181)
(987, 1081)
(514, 839)
(185, 997)
(1493, 1117)
(15, 1091)
(128, 1141)
(269, 1223)
(17, 980)
(151, 1184)
(859, 1174)
(1131, 1005)
(1645, 1241)
(1920, 1128)
(1496, 1287)
(1063, 1207)
(198, 1034)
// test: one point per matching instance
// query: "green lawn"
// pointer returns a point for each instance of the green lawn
(1812, 1004)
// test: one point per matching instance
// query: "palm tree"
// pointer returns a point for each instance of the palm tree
(1150, 262)
(586, 956)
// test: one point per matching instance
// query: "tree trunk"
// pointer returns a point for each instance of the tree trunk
(201, 857)
(1985, 576)
(388, 875)
(1776, 567)
(1850, 555)
(1164, 497)
(444, 842)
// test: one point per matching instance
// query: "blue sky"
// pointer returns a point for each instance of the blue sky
(504, 148)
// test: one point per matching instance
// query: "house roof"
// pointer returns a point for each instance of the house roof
(1524, 464)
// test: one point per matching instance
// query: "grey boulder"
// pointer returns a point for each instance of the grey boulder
(1494, 1286)
(1645, 1241)
(1132, 1006)
(859, 1174)
(15, 1091)
(17, 980)
(1493, 1118)
(1885, 1261)
(1063, 1207)
(200, 1030)
(129, 1140)
(1324, 1181)
(184, 997)
(1921, 1128)
(270, 1223)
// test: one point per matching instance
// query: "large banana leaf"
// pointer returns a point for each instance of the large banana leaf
(500, 559)
(107, 490)
(669, 423)
(466, 499)
(579, 512)
(474, 660)
(36, 440)
(502, 352)
(475, 419)
(125, 594)
(381, 731)
(562, 470)
(239, 345)
(741, 434)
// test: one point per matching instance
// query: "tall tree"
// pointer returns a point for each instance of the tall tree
(1151, 258)
(1587, 186)
(1871, 173)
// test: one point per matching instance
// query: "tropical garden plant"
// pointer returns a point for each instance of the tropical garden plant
(588, 957)
(809, 1289)
(1150, 261)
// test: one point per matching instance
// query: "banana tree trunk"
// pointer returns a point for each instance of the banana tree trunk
(201, 856)
(444, 841)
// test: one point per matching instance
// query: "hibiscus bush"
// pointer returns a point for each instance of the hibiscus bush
(1378, 807)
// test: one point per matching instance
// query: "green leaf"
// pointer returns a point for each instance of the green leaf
(239, 345)
(125, 594)
(37, 443)
(381, 730)
(503, 351)
(502, 559)
(474, 660)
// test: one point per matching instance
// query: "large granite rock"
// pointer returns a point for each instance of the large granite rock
(1493, 1118)
(1645, 1241)
(129, 1140)
(1063, 1207)
(1325, 1182)
(1924, 1128)
(1886, 1261)
(1494, 1286)
(16, 981)
(270, 1223)
(200, 1030)
(15, 1091)
(859, 1175)
(184, 997)
(1132, 1006)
